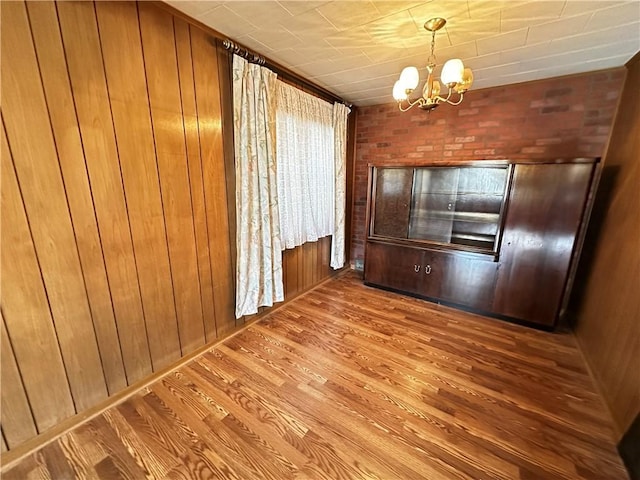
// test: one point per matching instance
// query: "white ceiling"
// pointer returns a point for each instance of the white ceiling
(356, 49)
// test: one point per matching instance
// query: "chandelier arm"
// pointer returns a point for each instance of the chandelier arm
(458, 102)
(410, 104)
(443, 99)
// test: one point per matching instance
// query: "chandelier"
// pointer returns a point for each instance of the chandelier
(454, 76)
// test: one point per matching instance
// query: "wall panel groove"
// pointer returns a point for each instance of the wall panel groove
(193, 151)
(164, 96)
(64, 122)
(209, 123)
(18, 423)
(25, 309)
(126, 86)
(86, 71)
(38, 174)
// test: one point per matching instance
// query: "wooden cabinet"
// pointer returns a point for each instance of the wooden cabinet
(500, 238)
(541, 226)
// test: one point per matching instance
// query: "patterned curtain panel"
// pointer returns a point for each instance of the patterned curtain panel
(340, 114)
(306, 169)
(259, 259)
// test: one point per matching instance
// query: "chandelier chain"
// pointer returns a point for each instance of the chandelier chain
(432, 56)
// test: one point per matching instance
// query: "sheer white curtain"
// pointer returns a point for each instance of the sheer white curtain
(306, 168)
(259, 258)
(340, 114)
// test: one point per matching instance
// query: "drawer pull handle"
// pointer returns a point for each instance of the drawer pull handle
(416, 268)
(427, 269)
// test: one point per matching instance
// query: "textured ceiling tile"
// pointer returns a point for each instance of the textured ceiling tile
(504, 41)
(557, 28)
(485, 61)
(357, 37)
(297, 7)
(194, 9)
(465, 30)
(363, 51)
(304, 54)
(276, 40)
(339, 64)
(466, 51)
(447, 9)
(532, 10)
(377, 82)
(576, 7)
(615, 16)
(396, 31)
(580, 56)
(593, 39)
(484, 8)
(367, 100)
(260, 13)
(526, 52)
(227, 22)
(379, 54)
(310, 26)
(348, 14)
(391, 7)
(556, 71)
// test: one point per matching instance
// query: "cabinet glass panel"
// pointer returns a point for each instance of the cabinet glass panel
(393, 197)
(456, 206)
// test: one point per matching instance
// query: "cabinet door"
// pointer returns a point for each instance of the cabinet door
(469, 281)
(433, 204)
(392, 199)
(394, 267)
(543, 217)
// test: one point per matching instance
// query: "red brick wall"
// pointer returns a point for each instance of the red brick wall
(560, 117)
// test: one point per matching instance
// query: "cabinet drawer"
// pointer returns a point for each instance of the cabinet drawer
(394, 267)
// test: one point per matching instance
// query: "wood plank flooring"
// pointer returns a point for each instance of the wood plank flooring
(351, 382)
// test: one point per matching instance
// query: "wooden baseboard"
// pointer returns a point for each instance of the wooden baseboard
(11, 457)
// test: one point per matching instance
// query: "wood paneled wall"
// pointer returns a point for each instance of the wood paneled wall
(608, 311)
(116, 253)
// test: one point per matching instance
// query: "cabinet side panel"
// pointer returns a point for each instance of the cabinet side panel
(544, 214)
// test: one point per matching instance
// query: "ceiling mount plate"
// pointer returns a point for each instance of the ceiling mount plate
(434, 24)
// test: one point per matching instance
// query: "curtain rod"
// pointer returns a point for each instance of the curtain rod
(243, 52)
(253, 57)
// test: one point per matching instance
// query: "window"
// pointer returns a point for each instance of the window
(306, 172)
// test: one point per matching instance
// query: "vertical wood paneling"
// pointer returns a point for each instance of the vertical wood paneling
(190, 119)
(158, 44)
(308, 250)
(53, 68)
(325, 258)
(18, 424)
(119, 33)
(38, 173)
(25, 308)
(84, 61)
(608, 316)
(290, 269)
(225, 76)
(118, 187)
(209, 123)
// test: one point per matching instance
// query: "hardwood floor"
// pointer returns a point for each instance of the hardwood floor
(353, 382)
